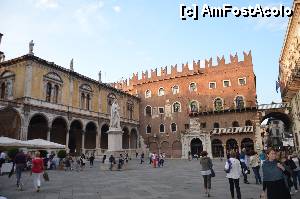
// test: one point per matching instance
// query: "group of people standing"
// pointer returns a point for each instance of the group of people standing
(157, 160)
(280, 172)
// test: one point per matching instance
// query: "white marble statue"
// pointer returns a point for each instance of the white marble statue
(31, 44)
(115, 116)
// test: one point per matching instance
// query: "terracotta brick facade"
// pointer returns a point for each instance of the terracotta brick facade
(203, 97)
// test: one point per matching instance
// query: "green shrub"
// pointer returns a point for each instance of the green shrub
(62, 154)
(12, 153)
(43, 153)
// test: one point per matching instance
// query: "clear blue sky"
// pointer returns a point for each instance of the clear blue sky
(120, 37)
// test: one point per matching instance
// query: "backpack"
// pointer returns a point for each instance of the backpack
(229, 168)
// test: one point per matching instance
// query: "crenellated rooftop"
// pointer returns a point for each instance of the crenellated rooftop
(208, 67)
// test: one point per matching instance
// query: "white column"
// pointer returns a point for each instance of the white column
(82, 143)
(98, 139)
(67, 140)
(48, 133)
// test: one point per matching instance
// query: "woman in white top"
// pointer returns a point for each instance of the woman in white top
(233, 170)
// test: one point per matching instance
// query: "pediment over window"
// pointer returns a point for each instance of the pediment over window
(7, 74)
(54, 77)
(86, 87)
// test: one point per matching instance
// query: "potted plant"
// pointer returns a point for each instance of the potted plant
(61, 155)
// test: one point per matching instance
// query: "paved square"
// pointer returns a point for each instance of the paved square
(178, 179)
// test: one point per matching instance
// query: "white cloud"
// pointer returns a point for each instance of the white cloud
(89, 15)
(117, 9)
(270, 23)
(46, 3)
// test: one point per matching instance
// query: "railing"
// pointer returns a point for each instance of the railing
(273, 106)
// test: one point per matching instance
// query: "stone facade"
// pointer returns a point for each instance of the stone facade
(39, 99)
(289, 65)
(169, 99)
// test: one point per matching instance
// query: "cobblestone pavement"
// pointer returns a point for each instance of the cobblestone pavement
(178, 179)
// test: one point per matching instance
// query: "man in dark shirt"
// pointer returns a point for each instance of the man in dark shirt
(20, 162)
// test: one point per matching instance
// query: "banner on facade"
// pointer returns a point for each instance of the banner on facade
(245, 129)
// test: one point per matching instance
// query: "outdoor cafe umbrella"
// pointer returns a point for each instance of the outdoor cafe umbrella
(10, 142)
(45, 144)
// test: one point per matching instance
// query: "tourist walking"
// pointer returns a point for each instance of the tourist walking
(142, 157)
(296, 171)
(92, 158)
(262, 157)
(2, 160)
(206, 165)
(104, 158)
(150, 158)
(82, 162)
(37, 171)
(255, 165)
(244, 162)
(20, 163)
(162, 159)
(112, 161)
(233, 170)
(273, 178)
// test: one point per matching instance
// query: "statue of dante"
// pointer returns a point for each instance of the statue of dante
(31, 44)
(115, 116)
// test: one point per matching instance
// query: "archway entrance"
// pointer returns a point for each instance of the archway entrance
(58, 131)
(165, 148)
(125, 138)
(133, 139)
(217, 148)
(153, 147)
(10, 123)
(248, 144)
(196, 146)
(75, 137)
(38, 128)
(176, 149)
(232, 144)
(104, 137)
(90, 136)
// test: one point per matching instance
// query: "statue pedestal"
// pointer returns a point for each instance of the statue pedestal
(114, 140)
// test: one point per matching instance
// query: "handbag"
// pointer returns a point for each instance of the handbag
(46, 176)
(213, 174)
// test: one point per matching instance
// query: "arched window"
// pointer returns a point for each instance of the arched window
(193, 86)
(235, 124)
(130, 108)
(82, 101)
(161, 92)
(173, 127)
(147, 93)
(216, 125)
(218, 104)
(161, 128)
(2, 91)
(88, 101)
(194, 106)
(248, 123)
(55, 94)
(48, 92)
(175, 89)
(148, 129)
(176, 107)
(239, 102)
(148, 111)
